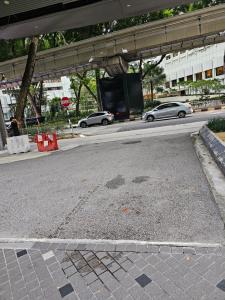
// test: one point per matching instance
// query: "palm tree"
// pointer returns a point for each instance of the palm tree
(153, 76)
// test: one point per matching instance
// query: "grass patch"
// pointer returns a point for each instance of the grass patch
(217, 125)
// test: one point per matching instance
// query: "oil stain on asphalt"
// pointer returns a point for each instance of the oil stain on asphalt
(140, 179)
(115, 182)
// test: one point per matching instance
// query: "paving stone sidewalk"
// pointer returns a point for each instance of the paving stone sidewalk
(45, 270)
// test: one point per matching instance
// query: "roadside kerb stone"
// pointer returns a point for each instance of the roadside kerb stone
(215, 146)
(213, 174)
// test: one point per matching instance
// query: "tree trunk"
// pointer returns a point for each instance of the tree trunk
(3, 133)
(33, 104)
(140, 66)
(154, 65)
(26, 81)
(152, 90)
(78, 100)
(98, 99)
(90, 91)
(40, 96)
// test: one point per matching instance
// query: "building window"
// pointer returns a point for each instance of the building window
(181, 79)
(198, 76)
(219, 71)
(190, 78)
(54, 88)
(174, 82)
(208, 74)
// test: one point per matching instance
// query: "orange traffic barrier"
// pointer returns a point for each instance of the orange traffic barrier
(45, 143)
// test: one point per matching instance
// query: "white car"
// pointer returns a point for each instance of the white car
(168, 110)
(101, 117)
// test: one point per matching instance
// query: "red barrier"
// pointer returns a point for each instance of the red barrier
(46, 143)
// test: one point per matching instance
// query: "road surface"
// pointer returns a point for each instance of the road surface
(146, 188)
(139, 124)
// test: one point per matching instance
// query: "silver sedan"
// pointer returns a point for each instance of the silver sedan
(101, 117)
(168, 110)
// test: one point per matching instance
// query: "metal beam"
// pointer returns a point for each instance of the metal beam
(199, 28)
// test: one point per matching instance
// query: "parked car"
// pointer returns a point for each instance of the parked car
(168, 110)
(34, 121)
(101, 117)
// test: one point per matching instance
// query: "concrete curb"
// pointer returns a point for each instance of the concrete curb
(215, 146)
(213, 174)
(22, 157)
(109, 245)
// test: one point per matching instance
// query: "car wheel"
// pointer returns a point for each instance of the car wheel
(150, 118)
(181, 114)
(83, 124)
(105, 122)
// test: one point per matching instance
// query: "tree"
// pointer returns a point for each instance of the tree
(55, 106)
(35, 95)
(153, 77)
(26, 80)
(77, 83)
(90, 84)
(205, 87)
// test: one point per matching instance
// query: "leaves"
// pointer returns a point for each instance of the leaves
(205, 87)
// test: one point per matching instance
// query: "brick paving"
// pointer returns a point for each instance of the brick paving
(45, 270)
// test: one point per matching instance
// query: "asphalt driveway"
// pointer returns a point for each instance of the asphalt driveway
(145, 189)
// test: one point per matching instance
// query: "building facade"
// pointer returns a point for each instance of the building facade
(196, 64)
(58, 88)
(52, 88)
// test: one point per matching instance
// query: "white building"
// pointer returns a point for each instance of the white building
(7, 102)
(197, 64)
(58, 88)
(52, 88)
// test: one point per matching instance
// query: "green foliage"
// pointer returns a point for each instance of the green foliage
(205, 87)
(154, 74)
(153, 77)
(84, 87)
(217, 125)
(13, 48)
(54, 108)
(48, 127)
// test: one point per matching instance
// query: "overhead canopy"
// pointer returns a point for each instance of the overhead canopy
(22, 18)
